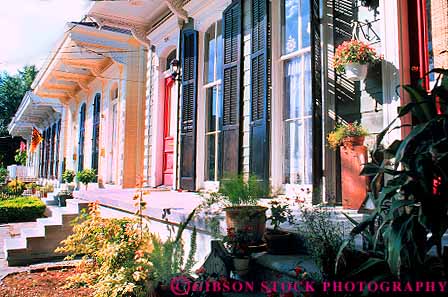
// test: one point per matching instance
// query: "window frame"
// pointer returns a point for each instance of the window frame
(302, 119)
(208, 86)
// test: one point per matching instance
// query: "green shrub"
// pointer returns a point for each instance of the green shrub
(68, 176)
(3, 175)
(121, 258)
(86, 176)
(21, 209)
(15, 187)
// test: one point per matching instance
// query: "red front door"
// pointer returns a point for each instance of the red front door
(168, 139)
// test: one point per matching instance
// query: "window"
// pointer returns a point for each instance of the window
(297, 105)
(212, 82)
(170, 58)
(82, 128)
(96, 130)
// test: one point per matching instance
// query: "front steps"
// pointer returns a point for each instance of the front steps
(37, 244)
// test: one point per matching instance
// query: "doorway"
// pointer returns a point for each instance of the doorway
(168, 135)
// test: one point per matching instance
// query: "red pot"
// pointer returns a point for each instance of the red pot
(352, 141)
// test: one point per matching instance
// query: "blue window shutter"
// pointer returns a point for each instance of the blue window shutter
(188, 107)
(231, 90)
(259, 92)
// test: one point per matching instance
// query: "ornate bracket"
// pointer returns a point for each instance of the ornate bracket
(138, 30)
(176, 7)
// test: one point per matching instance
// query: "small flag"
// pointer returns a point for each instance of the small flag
(36, 138)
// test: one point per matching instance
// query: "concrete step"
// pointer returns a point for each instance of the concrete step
(38, 231)
(15, 244)
(38, 243)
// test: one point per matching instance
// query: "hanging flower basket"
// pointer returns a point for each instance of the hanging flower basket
(356, 71)
(353, 57)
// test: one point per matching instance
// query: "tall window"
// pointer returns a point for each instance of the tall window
(96, 130)
(212, 85)
(298, 106)
(82, 128)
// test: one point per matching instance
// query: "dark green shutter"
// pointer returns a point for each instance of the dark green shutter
(82, 123)
(230, 137)
(260, 94)
(189, 46)
(316, 75)
(96, 131)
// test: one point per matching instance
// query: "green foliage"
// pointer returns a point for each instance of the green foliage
(120, 257)
(114, 251)
(3, 175)
(323, 237)
(20, 157)
(31, 186)
(68, 176)
(336, 136)
(21, 209)
(86, 176)
(12, 90)
(235, 190)
(15, 187)
(411, 209)
(280, 213)
(168, 257)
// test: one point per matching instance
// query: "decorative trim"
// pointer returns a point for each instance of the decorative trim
(139, 31)
(176, 7)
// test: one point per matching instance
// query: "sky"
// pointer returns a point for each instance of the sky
(30, 29)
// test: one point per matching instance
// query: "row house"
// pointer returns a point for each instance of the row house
(86, 102)
(185, 93)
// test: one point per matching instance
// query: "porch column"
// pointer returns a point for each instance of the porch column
(390, 64)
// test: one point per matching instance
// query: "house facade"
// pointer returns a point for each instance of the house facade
(232, 87)
(87, 103)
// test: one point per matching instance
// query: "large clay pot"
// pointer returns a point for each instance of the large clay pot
(280, 242)
(356, 71)
(248, 219)
(352, 141)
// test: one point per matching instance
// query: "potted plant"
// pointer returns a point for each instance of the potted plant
(279, 242)
(353, 57)
(86, 176)
(353, 156)
(350, 135)
(240, 198)
(31, 187)
(61, 198)
(67, 177)
(236, 242)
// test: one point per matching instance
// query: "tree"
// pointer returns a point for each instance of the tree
(12, 90)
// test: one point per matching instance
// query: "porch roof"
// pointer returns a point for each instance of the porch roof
(82, 55)
(34, 111)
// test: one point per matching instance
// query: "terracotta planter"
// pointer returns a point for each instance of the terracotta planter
(280, 242)
(352, 141)
(354, 186)
(241, 266)
(356, 71)
(248, 219)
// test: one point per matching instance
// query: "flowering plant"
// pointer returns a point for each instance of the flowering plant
(336, 136)
(237, 241)
(353, 51)
(20, 156)
(280, 213)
